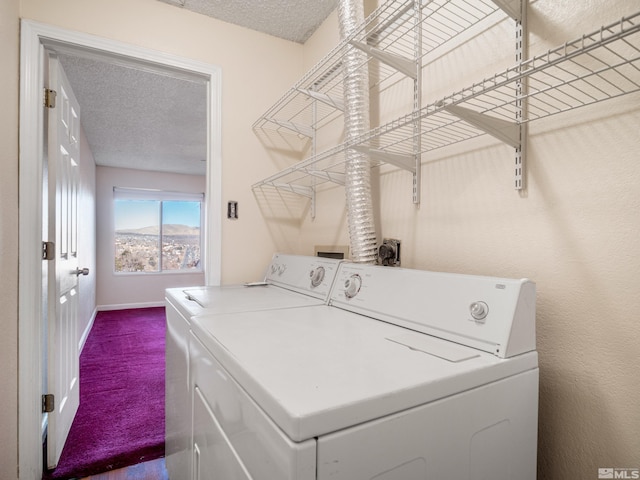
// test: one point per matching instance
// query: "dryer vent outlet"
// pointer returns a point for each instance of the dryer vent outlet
(389, 253)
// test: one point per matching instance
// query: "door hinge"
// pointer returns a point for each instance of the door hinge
(48, 250)
(49, 98)
(48, 403)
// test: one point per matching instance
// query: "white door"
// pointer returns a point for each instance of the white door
(62, 295)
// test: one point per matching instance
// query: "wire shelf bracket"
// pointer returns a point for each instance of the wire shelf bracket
(305, 130)
(400, 63)
(507, 132)
(332, 101)
(297, 189)
(406, 162)
(334, 177)
(513, 8)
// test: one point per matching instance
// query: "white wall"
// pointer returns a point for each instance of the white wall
(9, 26)
(130, 290)
(256, 70)
(575, 232)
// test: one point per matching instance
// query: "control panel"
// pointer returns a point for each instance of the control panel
(304, 274)
(493, 314)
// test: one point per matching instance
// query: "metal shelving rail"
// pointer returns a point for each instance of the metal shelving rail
(599, 66)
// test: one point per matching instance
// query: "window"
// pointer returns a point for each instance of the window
(157, 231)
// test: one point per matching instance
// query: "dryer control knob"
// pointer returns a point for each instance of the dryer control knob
(317, 275)
(352, 286)
(479, 311)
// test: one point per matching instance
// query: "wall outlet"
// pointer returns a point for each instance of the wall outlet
(389, 252)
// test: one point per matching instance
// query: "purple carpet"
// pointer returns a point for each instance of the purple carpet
(120, 421)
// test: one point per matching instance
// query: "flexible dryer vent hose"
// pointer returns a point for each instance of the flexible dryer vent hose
(362, 233)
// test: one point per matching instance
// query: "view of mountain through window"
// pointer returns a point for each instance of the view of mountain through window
(157, 235)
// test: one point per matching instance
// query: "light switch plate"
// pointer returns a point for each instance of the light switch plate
(232, 210)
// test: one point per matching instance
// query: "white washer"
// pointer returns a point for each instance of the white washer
(405, 375)
(290, 281)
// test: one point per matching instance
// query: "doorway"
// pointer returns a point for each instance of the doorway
(35, 37)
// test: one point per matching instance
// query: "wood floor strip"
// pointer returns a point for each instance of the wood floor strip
(153, 470)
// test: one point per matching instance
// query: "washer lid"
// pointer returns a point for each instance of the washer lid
(315, 370)
(496, 315)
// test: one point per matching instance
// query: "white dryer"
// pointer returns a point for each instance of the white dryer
(405, 375)
(290, 281)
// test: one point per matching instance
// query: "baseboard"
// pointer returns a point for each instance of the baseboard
(123, 306)
(85, 334)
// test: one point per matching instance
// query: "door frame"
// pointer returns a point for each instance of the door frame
(34, 37)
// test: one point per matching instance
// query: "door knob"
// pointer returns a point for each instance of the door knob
(82, 271)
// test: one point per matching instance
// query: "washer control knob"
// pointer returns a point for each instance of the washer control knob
(352, 286)
(317, 275)
(479, 311)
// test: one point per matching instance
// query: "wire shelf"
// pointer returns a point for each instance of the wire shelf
(599, 66)
(391, 31)
(596, 67)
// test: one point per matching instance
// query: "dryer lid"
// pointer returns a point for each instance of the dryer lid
(238, 298)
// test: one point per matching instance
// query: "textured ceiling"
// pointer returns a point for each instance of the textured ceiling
(292, 20)
(139, 119)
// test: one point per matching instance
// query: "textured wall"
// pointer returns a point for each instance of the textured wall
(9, 39)
(575, 232)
